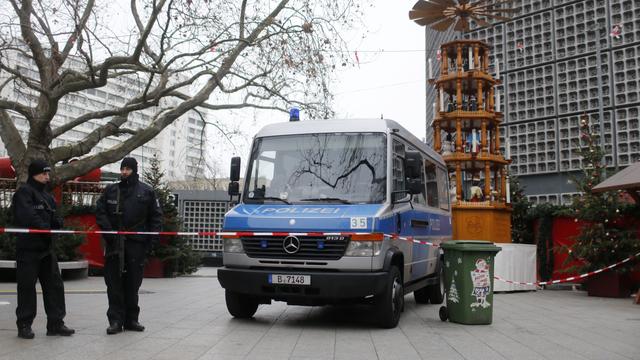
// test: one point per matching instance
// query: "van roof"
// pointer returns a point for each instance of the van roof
(347, 126)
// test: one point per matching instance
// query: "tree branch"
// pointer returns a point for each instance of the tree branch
(11, 137)
(243, 10)
(31, 83)
(77, 32)
(45, 27)
(131, 107)
(24, 14)
(23, 110)
(108, 129)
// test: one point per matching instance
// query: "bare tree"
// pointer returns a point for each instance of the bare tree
(176, 55)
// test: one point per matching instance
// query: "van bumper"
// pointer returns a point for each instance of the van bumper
(325, 288)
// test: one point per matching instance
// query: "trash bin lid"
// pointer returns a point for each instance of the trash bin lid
(470, 245)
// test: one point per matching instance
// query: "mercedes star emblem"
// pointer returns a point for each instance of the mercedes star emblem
(291, 244)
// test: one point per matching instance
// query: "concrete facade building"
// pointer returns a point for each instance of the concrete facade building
(558, 60)
(179, 147)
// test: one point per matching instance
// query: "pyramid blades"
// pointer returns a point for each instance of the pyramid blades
(442, 14)
(444, 24)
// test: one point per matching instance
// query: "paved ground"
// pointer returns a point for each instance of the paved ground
(186, 318)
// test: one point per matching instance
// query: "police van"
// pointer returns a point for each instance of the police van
(336, 212)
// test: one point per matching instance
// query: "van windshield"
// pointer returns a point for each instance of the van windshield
(347, 168)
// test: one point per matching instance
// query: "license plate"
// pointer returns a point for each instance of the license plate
(290, 279)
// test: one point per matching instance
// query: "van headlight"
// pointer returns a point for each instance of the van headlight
(363, 248)
(233, 245)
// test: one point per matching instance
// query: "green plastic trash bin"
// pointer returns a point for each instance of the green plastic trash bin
(468, 275)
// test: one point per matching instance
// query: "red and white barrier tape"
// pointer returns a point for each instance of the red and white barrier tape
(251, 233)
(571, 278)
(178, 233)
(209, 233)
(412, 239)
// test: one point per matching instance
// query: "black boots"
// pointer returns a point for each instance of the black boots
(133, 326)
(114, 328)
(25, 332)
(61, 330)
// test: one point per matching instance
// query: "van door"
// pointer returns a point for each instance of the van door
(412, 219)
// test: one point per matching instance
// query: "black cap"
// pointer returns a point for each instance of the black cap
(131, 163)
(38, 166)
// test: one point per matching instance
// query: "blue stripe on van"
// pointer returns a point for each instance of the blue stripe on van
(276, 217)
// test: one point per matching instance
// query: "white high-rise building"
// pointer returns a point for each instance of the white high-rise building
(180, 146)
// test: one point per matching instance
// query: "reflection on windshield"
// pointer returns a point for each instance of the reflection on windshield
(337, 167)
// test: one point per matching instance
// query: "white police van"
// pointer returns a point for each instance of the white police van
(328, 215)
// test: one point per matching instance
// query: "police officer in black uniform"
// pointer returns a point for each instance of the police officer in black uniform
(129, 205)
(34, 208)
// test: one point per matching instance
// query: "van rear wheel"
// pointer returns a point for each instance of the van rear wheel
(390, 303)
(435, 292)
(240, 305)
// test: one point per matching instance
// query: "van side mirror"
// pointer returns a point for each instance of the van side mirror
(234, 173)
(234, 188)
(234, 176)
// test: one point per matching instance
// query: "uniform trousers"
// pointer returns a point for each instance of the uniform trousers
(122, 288)
(33, 266)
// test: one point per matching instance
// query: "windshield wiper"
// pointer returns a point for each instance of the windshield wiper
(271, 198)
(328, 199)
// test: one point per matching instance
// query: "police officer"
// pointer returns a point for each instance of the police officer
(129, 205)
(34, 208)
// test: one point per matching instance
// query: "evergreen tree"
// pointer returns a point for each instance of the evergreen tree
(604, 239)
(175, 251)
(521, 222)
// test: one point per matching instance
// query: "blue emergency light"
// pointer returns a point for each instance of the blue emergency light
(294, 114)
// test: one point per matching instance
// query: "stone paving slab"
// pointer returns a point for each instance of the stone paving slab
(186, 318)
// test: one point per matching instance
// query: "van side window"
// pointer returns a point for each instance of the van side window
(443, 188)
(432, 183)
(398, 166)
(262, 172)
(422, 197)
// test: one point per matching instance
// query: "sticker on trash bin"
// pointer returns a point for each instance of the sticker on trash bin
(481, 284)
(453, 292)
(459, 260)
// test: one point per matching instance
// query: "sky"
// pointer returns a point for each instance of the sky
(389, 80)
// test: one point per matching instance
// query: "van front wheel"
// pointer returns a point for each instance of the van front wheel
(390, 303)
(239, 305)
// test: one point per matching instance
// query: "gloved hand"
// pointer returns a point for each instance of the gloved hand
(110, 244)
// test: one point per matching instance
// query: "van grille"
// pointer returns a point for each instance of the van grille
(311, 247)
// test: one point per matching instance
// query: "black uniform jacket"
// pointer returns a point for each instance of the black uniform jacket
(34, 208)
(139, 209)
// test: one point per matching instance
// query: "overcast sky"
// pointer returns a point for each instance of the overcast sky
(389, 82)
